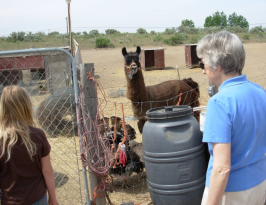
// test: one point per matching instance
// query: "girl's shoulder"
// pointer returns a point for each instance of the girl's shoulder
(35, 131)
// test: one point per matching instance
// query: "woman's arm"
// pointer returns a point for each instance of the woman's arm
(48, 174)
(220, 172)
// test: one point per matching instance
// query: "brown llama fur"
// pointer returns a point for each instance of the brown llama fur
(166, 93)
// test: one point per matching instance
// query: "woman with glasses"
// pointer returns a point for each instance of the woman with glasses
(235, 125)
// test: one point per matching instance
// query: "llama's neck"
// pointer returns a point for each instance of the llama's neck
(136, 91)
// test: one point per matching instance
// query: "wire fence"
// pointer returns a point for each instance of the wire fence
(49, 76)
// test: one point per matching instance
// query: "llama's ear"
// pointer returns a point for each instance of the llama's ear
(138, 50)
(124, 51)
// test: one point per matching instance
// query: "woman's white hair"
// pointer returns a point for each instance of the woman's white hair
(222, 49)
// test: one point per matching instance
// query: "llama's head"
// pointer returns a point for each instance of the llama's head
(132, 64)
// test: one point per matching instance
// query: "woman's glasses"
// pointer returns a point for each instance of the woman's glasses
(201, 65)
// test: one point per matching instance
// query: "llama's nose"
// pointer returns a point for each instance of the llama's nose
(134, 68)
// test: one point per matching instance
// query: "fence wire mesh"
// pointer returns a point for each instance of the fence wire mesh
(48, 76)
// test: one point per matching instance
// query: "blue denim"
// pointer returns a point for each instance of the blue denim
(42, 201)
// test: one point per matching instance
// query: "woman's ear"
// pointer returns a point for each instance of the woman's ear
(220, 69)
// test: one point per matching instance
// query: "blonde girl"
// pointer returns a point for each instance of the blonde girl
(26, 173)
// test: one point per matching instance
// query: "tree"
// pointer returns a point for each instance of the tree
(235, 20)
(217, 19)
(188, 23)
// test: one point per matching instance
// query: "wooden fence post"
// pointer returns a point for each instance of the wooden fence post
(90, 100)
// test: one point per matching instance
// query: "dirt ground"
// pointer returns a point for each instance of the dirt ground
(109, 70)
(108, 64)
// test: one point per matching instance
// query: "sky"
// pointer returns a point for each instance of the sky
(125, 16)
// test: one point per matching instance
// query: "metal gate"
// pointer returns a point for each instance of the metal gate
(50, 76)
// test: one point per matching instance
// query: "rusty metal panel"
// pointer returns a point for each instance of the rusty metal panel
(191, 57)
(187, 55)
(152, 59)
(142, 58)
(159, 59)
(22, 62)
(9, 77)
(149, 59)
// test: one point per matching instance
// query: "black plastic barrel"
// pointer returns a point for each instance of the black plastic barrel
(174, 156)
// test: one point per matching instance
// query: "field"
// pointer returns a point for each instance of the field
(109, 71)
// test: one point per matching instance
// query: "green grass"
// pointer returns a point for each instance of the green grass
(119, 40)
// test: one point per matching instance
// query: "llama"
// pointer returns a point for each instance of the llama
(143, 98)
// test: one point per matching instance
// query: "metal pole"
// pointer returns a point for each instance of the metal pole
(70, 32)
(67, 24)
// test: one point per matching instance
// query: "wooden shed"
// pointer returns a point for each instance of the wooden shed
(152, 59)
(191, 58)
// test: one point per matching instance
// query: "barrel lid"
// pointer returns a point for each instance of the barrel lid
(169, 112)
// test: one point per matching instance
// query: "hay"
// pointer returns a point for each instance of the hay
(56, 113)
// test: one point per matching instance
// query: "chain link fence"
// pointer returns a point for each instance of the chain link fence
(50, 76)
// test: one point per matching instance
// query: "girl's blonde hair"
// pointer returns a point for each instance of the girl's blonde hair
(16, 115)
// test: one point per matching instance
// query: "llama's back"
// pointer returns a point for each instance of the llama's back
(173, 92)
(170, 91)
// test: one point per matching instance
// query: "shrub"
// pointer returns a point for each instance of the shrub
(103, 43)
(170, 30)
(194, 39)
(40, 33)
(187, 29)
(54, 33)
(237, 29)
(260, 34)
(92, 40)
(158, 38)
(94, 32)
(212, 29)
(14, 37)
(153, 33)
(175, 40)
(141, 31)
(33, 38)
(246, 36)
(20, 36)
(256, 29)
(111, 31)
